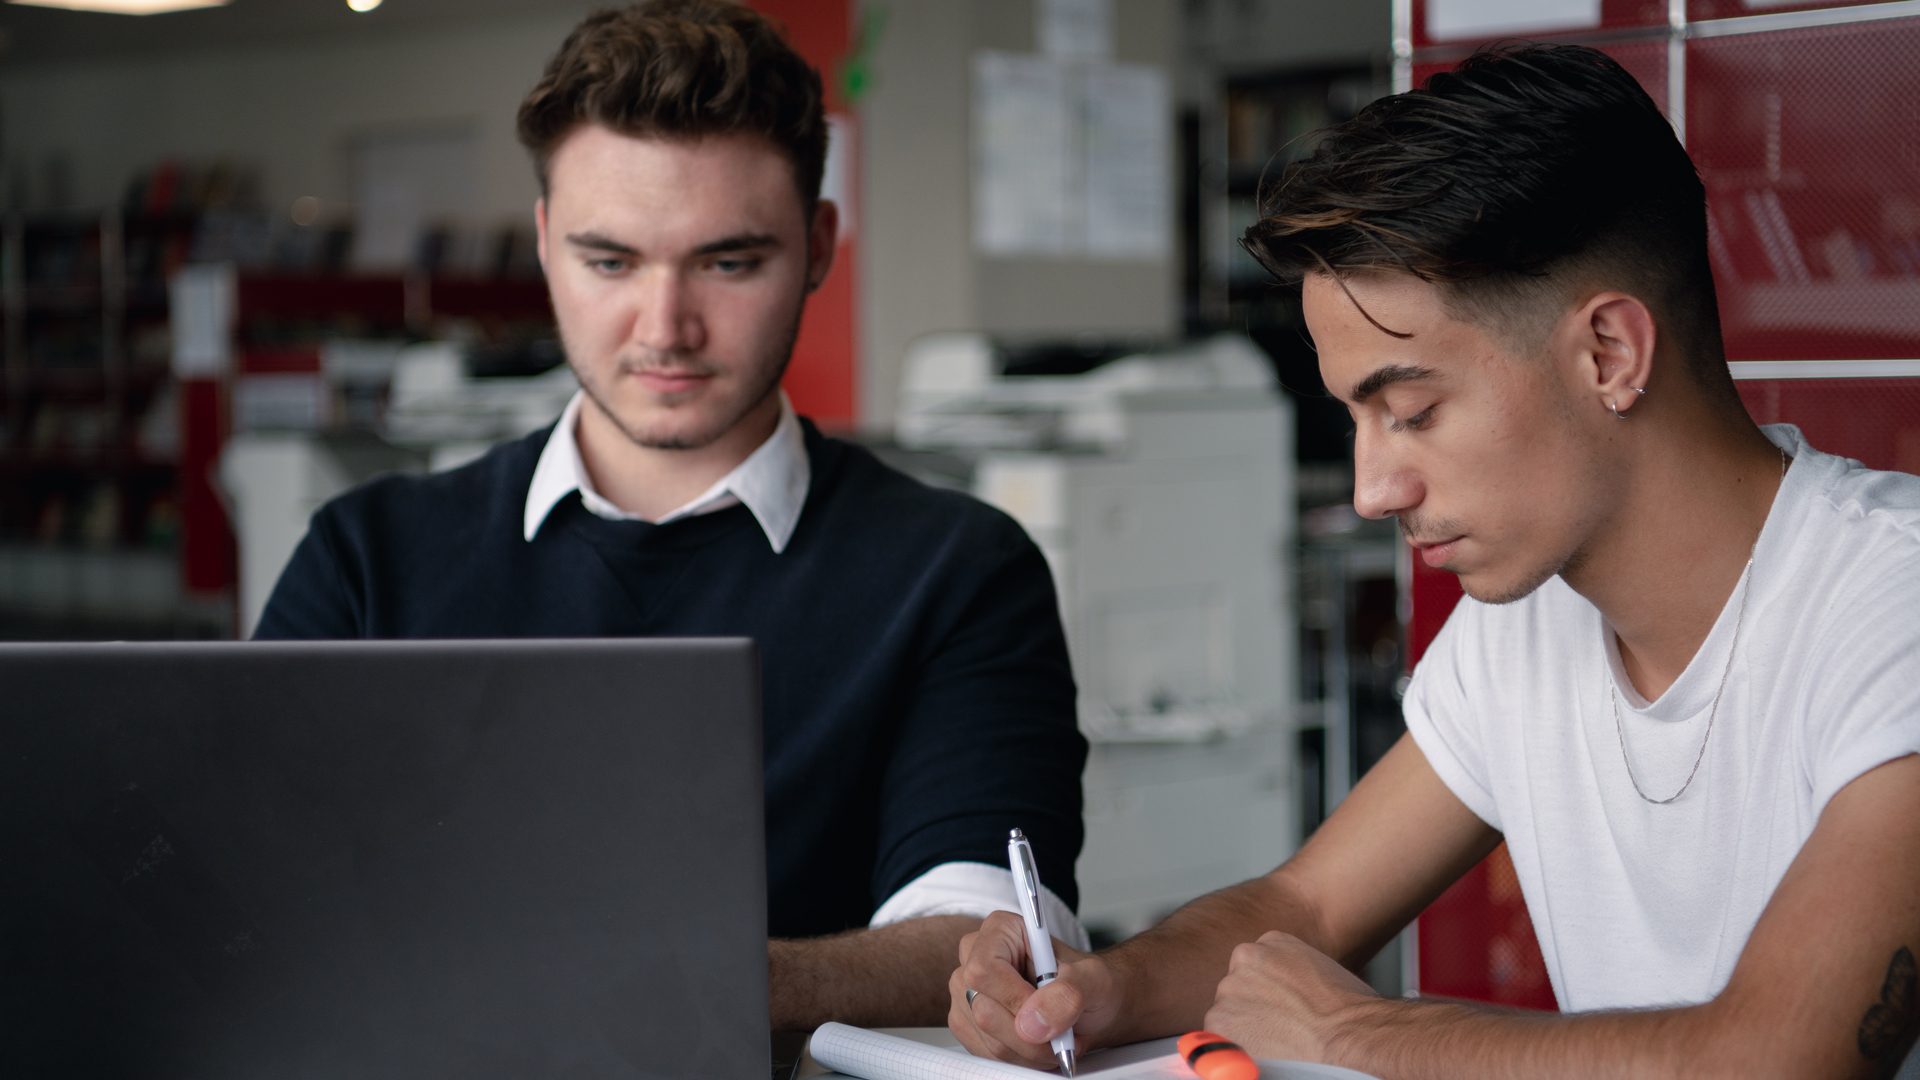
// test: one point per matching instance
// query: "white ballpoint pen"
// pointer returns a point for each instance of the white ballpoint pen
(1026, 882)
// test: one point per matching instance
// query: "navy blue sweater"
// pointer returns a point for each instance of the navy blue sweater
(918, 700)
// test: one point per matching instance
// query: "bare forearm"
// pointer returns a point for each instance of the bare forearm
(1432, 1040)
(1168, 974)
(892, 976)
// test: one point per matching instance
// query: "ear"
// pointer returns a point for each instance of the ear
(1619, 335)
(540, 230)
(822, 238)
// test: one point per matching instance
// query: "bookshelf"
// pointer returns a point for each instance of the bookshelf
(88, 507)
(111, 525)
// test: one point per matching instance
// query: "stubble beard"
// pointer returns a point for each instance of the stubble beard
(768, 383)
(1412, 526)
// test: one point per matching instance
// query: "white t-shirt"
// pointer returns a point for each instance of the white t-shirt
(1638, 905)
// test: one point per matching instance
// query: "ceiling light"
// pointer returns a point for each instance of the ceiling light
(363, 5)
(124, 7)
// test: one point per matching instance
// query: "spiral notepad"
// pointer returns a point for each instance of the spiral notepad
(871, 1055)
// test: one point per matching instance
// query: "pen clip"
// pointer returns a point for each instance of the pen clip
(1032, 885)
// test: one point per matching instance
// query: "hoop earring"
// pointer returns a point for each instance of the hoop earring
(1617, 414)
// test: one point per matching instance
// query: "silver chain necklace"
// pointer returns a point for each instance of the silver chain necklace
(1613, 690)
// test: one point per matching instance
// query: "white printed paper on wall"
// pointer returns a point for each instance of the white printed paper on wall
(1453, 20)
(1128, 154)
(1026, 173)
(1075, 28)
(1070, 158)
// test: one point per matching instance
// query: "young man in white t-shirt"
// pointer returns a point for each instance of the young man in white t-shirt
(1685, 688)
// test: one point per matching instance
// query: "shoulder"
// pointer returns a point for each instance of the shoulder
(1876, 514)
(1850, 555)
(1845, 582)
(852, 485)
(454, 502)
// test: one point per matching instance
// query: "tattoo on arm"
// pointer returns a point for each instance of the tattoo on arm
(1889, 1022)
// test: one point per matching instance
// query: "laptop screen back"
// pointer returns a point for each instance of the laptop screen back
(420, 859)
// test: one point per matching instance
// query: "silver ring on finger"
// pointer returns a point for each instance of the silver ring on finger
(971, 994)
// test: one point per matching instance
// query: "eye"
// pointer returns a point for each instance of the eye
(737, 265)
(607, 266)
(1415, 422)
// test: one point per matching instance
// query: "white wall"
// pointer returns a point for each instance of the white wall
(290, 109)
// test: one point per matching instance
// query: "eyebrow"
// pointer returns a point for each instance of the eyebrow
(743, 242)
(1381, 378)
(600, 242)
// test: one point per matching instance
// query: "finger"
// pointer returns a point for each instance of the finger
(996, 962)
(983, 965)
(990, 1024)
(1244, 955)
(1051, 1010)
(965, 1023)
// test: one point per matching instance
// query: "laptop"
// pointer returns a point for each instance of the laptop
(382, 859)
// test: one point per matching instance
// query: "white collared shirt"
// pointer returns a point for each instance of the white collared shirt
(773, 483)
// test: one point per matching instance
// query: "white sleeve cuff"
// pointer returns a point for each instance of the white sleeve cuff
(979, 890)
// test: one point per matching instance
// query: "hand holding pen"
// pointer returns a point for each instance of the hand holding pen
(997, 1012)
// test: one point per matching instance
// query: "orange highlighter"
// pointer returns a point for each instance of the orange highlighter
(1214, 1058)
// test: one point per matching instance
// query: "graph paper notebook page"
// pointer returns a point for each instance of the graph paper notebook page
(873, 1055)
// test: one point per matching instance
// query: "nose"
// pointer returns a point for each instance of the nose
(1383, 485)
(667, 317)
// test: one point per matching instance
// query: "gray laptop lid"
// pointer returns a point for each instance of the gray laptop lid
(406, 859)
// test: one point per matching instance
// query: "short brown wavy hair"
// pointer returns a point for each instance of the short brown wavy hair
(681, 69)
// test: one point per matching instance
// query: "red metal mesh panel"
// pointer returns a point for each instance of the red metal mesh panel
(1873, 421)
(1698, 10)
(1477, 942)
(1809, 142)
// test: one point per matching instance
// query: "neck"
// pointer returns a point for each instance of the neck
(652, 482)
(1693, 499)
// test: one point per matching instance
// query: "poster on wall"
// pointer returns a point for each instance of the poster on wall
(1075, 28)
(1070, 158)
(1025, 172)
(1127, 156)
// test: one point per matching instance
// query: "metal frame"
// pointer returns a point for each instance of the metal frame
(1824, 369)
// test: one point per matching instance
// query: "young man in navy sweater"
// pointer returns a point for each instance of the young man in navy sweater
(918, 701)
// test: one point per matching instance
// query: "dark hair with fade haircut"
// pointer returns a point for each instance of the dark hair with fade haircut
(1523, 174)
(681, 69)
